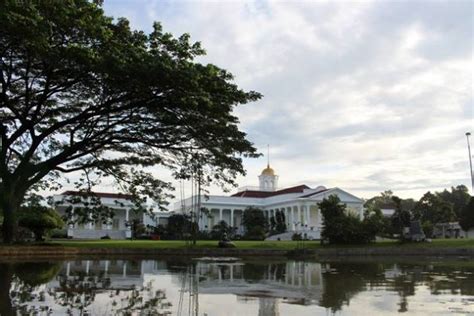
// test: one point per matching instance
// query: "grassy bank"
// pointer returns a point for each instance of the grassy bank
(282, 245)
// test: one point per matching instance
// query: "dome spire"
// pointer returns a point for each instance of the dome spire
(268, 156)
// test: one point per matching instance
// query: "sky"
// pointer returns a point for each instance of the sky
(364, 96)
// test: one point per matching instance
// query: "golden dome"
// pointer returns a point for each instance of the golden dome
(268, 171)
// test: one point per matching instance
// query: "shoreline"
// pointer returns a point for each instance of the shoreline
(58, 252)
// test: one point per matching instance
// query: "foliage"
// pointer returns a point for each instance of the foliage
(40, 220)
(296, 237)
(458, 197)
(220, 230)
(255, 233)
(138, 228)
(178, 226)
(374, 223)
(280, 221)
(341, 227)
(255, 223)
(84, 93)
(277, 223)
(466, 220)
(380, 201)
(431, 207)
(428, 228)
(401, 217)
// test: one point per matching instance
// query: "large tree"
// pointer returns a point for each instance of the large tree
(466, 219)
(82, 92)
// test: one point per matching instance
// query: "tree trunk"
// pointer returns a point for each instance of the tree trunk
(9, 207)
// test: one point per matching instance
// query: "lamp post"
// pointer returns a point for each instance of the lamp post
(470, 160)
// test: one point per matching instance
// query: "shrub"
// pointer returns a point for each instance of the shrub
(255, 233)
(39, 219)
(343, 228)
(296, 237)
(58, 233)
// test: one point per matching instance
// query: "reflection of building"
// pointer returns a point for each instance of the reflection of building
(292, 280)
(117, 227)
(299, 205)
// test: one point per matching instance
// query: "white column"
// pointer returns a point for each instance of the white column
(68, 268)
(220, 215)
(232, 273)
(308, 215)
(232, 217)
(106, 268)
(128, 229)
(71, 226)
(299, 215)
(90, 220)
(292, 218)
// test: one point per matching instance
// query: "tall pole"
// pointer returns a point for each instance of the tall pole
(470, 160)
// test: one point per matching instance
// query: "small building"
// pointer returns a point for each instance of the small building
(118, 227)
(299, 204)
(388, 209)
(451, 230)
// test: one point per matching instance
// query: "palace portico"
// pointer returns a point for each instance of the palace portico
(299, 204)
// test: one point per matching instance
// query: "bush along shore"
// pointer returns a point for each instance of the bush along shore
(442, 247)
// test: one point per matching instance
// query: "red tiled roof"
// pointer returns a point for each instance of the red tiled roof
(100, 194)
(264, 194)
(311, 194)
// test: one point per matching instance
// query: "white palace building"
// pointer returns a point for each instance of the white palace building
(299, 204)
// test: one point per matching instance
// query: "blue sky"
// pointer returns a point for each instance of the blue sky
(366, 96)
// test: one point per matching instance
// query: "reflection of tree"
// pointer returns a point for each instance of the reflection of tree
(145, 300)
(445, 278)
(78, 291)
(254, 271)
(404, 285)
(19, 284)
(344, 280)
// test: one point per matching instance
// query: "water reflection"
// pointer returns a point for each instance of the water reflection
(178, 286)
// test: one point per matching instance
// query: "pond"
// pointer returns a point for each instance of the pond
(234, 286)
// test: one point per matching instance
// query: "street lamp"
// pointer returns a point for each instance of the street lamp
(470, 160)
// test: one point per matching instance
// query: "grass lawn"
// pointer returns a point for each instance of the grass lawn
(285, 245)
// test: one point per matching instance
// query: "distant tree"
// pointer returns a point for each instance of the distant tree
(458, 197)
(280, 222)
(40, 220)
(255, 223)
(466, 220)
(221, 229)
(379, 201)
(179, 226)
(138, 229)
(272, 225)
(401, 217)
(83, 92)
(342, 227)
(373, 223)
(431, 207)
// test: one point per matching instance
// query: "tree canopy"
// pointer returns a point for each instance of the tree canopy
(343, 227)
(82, 92)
